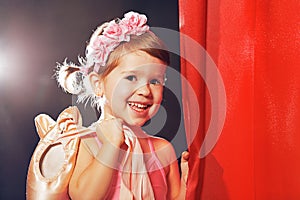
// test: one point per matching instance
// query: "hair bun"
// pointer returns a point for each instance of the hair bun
(69, 77)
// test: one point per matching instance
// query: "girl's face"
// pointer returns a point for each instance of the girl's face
(134, 88)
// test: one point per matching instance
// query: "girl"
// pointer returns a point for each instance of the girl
(123, 73)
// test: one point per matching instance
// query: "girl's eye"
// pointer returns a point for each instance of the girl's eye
(155, 82)
(131, 78)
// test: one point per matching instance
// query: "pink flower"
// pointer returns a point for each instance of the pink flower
(114, 31)
(136, 23)
(100, 55)
(133, 19)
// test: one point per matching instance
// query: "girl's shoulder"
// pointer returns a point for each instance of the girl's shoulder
(159, 142)
(163, 149)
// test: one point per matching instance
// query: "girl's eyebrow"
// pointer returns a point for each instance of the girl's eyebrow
(129, 72)
(139, 72)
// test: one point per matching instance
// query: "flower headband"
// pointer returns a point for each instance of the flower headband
(103, 42)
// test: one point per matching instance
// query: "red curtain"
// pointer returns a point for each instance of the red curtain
(256, 48)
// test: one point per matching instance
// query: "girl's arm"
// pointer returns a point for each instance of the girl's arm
(176, 185)
(184, 175)
(173, 180)
(92, 177)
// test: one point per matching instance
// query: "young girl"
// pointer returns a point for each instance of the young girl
(123, 73)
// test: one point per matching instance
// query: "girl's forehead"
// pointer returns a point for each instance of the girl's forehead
(140, 61)
(137, 58)
(146, 69)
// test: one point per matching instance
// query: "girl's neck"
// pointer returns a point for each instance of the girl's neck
(137, 130)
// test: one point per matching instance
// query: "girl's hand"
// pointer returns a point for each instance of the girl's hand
(110, 131)
(184, 166)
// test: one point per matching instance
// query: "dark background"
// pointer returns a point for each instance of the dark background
(34, 35)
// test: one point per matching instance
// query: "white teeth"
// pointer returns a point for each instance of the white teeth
(142, 106)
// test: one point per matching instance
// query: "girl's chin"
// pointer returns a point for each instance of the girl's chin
(139, 123)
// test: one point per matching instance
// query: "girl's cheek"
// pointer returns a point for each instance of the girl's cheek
(158, 93)
(121, 94)
(120, 88)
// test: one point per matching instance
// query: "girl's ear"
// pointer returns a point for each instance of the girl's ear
(96, 83)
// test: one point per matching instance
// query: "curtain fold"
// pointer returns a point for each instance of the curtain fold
(196, 89)
(255, 46)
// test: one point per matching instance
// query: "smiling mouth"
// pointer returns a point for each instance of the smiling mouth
(139, 107)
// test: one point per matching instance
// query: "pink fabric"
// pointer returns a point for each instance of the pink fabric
(157, 177)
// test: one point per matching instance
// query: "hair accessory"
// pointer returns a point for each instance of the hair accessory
(105, 40)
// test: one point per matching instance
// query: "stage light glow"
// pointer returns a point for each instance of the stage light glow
(8, 63)
(5, 66)
(3, 63)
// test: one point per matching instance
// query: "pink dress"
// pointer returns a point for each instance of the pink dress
(156, 174)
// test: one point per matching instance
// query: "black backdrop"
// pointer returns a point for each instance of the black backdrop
(34, 35)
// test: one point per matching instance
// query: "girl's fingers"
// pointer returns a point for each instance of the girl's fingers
(185, 156)
(109, 116)
(184, 165)
(117, 121)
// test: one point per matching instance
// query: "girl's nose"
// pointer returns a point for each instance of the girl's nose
(144, 90)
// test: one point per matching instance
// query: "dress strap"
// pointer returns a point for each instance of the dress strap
(152, 150)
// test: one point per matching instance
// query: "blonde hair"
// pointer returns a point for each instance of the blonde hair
(148, 42)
